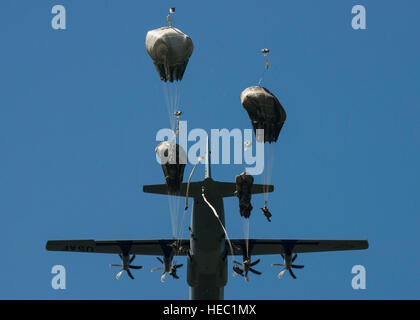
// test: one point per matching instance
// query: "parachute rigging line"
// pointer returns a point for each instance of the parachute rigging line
(218, 218)
(189, 181)
(268, 169)
(245, 225)
(181, 231)
(265, 52)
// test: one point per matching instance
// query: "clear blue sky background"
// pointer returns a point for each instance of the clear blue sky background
(79, 110)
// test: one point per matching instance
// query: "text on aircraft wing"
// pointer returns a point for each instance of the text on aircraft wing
(279, 246)
(139, 247)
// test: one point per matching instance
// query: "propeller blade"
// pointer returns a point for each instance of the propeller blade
(162, 278)
(237, 262)
(160, 260)
(292, 274)
(281, 273)
(294, 257)
(178, 266)
(115, 265)
(254, 271)
(156, 269)
(277, 264)
(119, 274)
(297, 266)
(120, 256)
(130, 274)
(255, 262)
(132, 258)
(135, 267)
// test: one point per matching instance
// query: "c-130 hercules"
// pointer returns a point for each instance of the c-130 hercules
(207, 249)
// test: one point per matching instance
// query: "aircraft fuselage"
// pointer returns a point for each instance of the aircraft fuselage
(207, 268)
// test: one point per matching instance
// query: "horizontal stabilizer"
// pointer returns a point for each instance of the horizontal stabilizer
(222, 189)
(227, 189)
(195, 189)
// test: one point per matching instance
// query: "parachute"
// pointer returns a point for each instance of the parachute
(170, 50)
(244, 183)
(173, 160)
(265, 112)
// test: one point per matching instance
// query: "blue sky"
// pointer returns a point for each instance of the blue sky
(80, 108)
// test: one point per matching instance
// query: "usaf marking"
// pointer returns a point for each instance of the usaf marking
(79, 248)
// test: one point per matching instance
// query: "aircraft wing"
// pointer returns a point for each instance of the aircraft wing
(162, 247)
(141, 247)
(278, 246)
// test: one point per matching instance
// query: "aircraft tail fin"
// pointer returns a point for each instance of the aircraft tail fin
(207, 162)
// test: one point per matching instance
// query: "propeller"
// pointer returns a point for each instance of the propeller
(167, 268)
(126, 266)
(246, 267)
(288, 265)
(158, 268)
(172, 270)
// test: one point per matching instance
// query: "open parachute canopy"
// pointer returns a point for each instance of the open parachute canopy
(265, 112)
(170, 50)
(244, 183)
(173, 160)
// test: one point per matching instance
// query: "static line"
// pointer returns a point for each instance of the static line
(181, 231)
(221, 224)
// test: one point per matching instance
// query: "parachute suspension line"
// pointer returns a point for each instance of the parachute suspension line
(181, 231)
(218, 218)
(175, 98)
(179, 93)
(261, 77)
(172, 95)
(165, 93)
(173, 87)
(265, 52)
(245, 225)
(268, 169)
(168, 100)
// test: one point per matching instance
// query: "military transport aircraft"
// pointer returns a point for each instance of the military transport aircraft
(207, 249)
